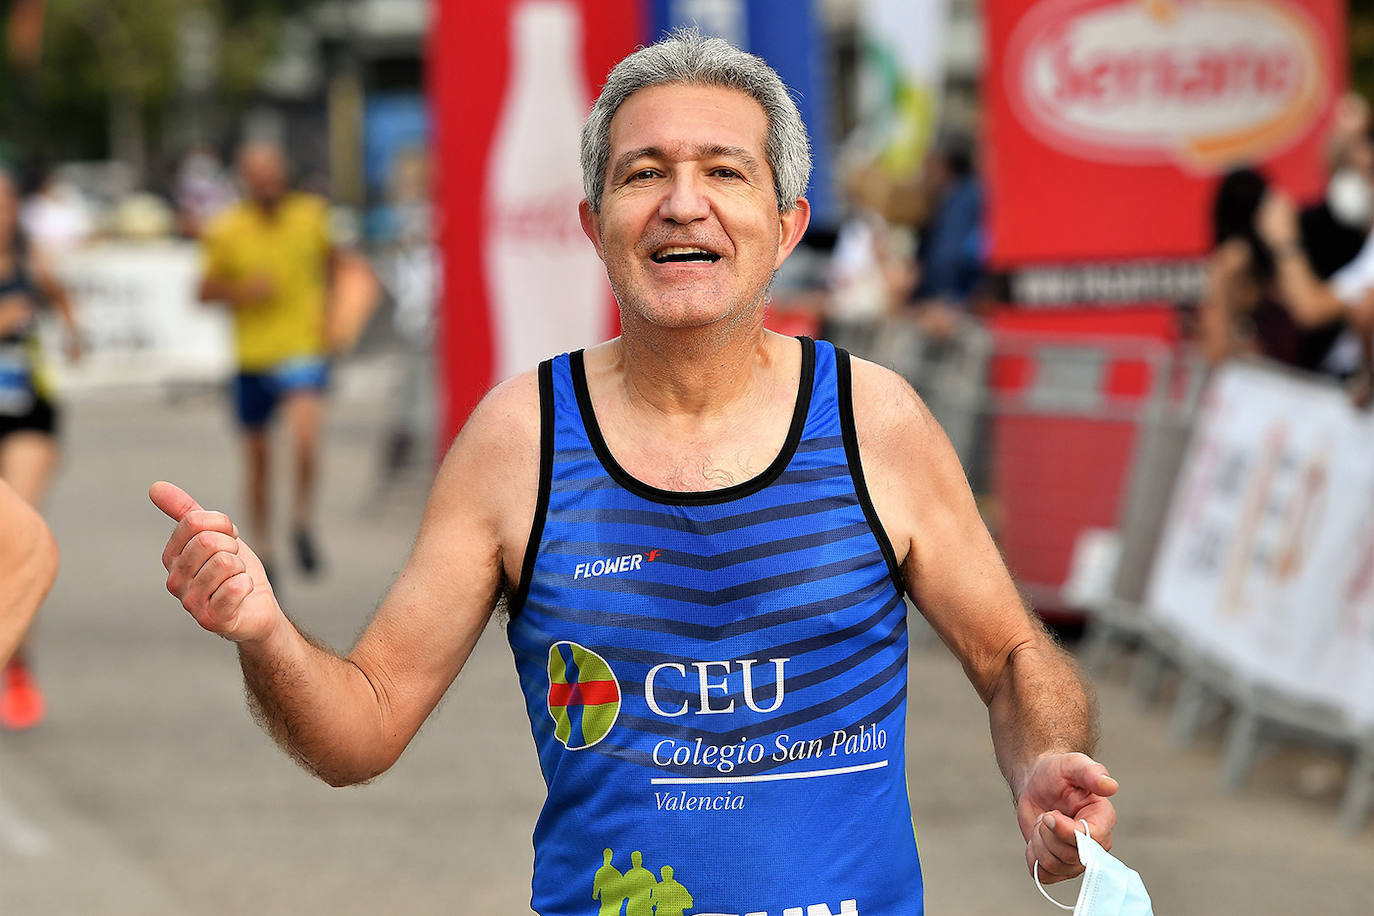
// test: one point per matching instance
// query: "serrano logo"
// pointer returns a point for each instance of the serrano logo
(584, 698)
(1195, 83)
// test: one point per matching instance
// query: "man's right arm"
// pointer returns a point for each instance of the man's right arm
(235, 294)
(28, 565)
(218, 283)
(348, 718)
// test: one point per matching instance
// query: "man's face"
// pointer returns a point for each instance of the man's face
(689, 227)
(262, 169)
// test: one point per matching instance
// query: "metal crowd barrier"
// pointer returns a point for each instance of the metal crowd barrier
(1085, 434)
(1082, 433)
(1208, 685)
(1260, 714)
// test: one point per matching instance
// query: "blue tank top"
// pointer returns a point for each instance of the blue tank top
(716, 681)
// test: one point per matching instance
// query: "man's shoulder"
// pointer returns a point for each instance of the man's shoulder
(307, 201)
(885, 404)
(506, 422)
(895, 429)
(226, 223)
(305, 208)
(492, 467)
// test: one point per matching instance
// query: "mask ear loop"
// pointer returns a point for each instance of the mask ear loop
(1035, 872)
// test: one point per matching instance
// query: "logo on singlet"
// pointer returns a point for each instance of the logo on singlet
(611, 566)
(584, 698)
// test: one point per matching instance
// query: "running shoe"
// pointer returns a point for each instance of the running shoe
(21, 702)
(307, 557)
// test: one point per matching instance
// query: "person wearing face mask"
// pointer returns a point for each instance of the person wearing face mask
(1333, 229)
(1243, 310)
(1323, 262)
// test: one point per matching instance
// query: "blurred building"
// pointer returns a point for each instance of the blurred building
(342, 72)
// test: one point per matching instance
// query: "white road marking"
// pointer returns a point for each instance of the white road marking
(22, 836)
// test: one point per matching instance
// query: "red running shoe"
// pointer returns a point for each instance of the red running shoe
(21, 702)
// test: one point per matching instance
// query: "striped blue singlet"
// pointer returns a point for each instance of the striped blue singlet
(716, 681)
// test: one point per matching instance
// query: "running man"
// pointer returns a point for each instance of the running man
(28, 411)
(268, 258)
(702, 532)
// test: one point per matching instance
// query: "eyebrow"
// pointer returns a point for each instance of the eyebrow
(705, 151)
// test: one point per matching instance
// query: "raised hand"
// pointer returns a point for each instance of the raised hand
(1061, 790)
(1276, 221)
(215, 575)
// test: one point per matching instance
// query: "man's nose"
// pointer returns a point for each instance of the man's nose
(685, 199)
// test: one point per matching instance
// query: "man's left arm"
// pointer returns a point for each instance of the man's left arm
(1042, 714)
(353, 290)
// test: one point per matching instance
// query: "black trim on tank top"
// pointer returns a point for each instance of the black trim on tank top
(845, 379)
(698, 497)
(541, 504)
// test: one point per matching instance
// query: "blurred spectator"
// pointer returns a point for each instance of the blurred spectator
(950, 256)
(202, 190)
(871, 269)
(409, 267)
(1324, 255)
(28, 412)
(56, 219)
(1244, 310)
(1320, 244)
(1333, 229)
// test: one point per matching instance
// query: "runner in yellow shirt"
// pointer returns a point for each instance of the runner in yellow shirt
(269, 259)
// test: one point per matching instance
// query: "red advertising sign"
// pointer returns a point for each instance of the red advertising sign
(511, 82)
(1110, 121)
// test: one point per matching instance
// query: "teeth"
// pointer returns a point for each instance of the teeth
(684, 254)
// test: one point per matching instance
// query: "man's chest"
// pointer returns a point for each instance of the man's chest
(693, 462)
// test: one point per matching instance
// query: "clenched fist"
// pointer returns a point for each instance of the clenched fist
(215, 575)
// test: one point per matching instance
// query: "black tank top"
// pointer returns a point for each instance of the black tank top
(18, 282)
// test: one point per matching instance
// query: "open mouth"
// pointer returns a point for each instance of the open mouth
(684, 255)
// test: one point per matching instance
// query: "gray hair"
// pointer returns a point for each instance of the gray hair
(686, 56)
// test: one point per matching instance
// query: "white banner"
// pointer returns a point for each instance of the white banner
(137, 308)
(1267, 557)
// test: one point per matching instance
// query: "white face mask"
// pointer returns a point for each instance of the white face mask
(1109, 888)
(1350, 198)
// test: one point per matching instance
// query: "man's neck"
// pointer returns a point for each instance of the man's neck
(267, 206)
(693, 372)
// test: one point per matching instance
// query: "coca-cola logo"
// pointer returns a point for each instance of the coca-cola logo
(1198, 83)
(543, 218)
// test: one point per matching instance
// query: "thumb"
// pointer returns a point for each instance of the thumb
(172, 500)
(1088, 774)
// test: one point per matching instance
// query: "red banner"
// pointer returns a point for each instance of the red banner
(1110, 121)
(511, 82)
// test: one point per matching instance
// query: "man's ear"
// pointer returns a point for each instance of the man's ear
(791, 227)
(591, 226)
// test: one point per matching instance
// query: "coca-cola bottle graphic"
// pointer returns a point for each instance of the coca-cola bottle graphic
(546, 287)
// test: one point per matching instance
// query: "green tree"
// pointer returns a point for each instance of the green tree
(112, 69)
(1360, 46)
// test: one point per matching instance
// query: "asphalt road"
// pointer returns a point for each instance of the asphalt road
(149, 790)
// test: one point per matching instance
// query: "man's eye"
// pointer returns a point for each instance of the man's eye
(723, 172)
(642, 174)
